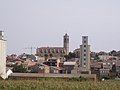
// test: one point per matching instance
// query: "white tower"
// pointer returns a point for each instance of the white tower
(66, 43)
(2, 56)
(85, 54)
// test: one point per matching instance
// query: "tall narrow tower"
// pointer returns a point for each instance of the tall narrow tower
(66, 43)
(2, 55)
(85, 54)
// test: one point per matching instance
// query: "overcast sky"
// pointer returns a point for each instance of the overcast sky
(39, 23)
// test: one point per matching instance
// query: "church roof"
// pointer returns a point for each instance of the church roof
(60, 48)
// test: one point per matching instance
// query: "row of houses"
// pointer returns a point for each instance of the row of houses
(106, 69)
(109, 68)
(51, 65)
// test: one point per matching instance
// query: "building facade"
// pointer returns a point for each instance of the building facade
(2, 56)
(55, 51)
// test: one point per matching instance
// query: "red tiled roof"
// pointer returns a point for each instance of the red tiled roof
(32, 64)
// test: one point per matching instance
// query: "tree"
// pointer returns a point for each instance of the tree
(70, 56)
(113, 53)
(46, 55)
(96, 57)
(19, 68)
(66, 57)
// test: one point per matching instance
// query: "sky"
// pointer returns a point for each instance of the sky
(42, 23)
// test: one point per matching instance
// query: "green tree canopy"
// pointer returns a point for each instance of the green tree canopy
(70, 56)
(19, 68)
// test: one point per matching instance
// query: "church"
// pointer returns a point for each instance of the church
(55, 51)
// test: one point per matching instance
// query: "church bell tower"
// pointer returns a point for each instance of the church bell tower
(66, 43)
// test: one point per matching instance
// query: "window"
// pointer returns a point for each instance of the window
(84, 63)
(84, 50)
(52, 51)
(84, 45)
(84, 54)
(84, 59)
(84, 41)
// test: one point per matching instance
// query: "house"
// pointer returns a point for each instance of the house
(104, 73)
(102, 69)
(52, 62)
(95, 67)
(25, 56)
(57, 70)
(117, 68)
(104, 57)
(40, 68)
(11, 61)
(69, 66)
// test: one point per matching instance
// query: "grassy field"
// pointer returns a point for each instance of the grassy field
(58, 84)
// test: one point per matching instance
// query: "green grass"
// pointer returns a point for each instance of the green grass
(58, 84)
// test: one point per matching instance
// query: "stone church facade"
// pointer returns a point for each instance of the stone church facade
(55, 51)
